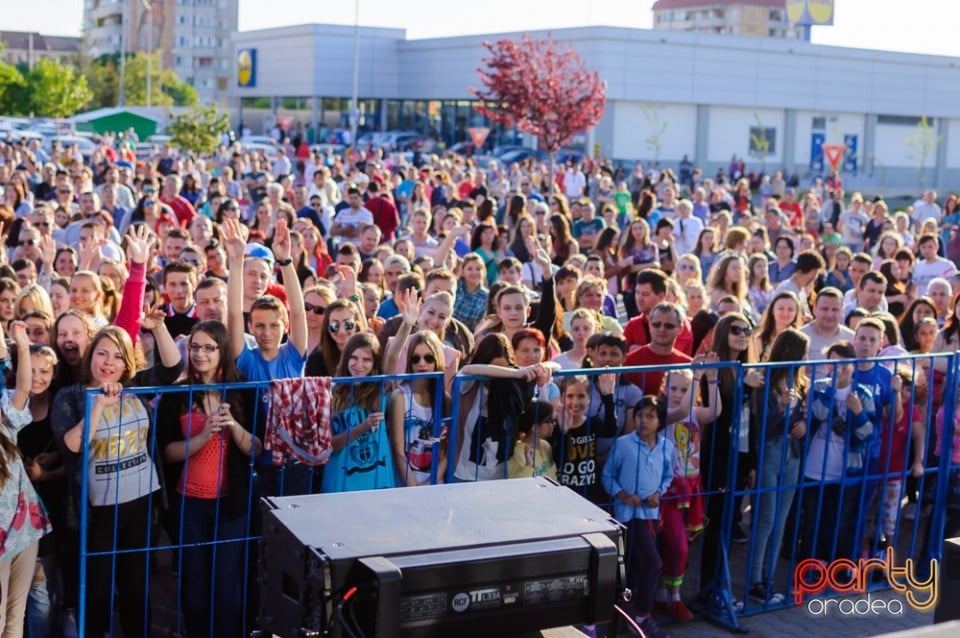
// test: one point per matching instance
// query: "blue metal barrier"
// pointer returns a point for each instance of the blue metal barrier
(781, 487)
(116, 556)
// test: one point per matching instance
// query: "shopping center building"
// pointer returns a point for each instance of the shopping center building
(771, 101)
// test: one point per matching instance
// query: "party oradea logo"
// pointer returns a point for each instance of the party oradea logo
(812, 577)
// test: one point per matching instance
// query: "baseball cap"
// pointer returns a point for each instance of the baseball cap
(259, 251)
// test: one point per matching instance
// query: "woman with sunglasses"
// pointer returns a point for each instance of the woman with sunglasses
(206, 440)
(149, 209)
(433, 314)
(315, 301)
(415, 437)
(341, 320)
(731, 342)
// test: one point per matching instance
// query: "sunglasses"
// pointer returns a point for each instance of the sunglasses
(64, 192)
(149, 204)
(427, 358)
(686, 267)
(317, 310)
(657, 325)
(741, 330)
(209, 348)
(149, 191)
(43, 224)
(28, 242)
(347, 325)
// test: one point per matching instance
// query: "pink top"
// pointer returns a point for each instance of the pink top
(955, 453)
(131, 305)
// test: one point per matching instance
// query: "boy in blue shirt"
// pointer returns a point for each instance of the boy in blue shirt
(638, 471)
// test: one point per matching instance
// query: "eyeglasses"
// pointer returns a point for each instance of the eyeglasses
(657, 325)
(741, 330)
(208, 348)
(317, 310)
(347, 325)
(193, 261)
(427, 358)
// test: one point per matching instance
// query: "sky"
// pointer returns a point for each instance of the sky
(928, 27)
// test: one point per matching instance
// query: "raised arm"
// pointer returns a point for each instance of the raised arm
(21, 394)
(547, 316)
(234, 244)
(443, 251)
(139, 243)
(410, 305)
(291, 283)
(165, 345)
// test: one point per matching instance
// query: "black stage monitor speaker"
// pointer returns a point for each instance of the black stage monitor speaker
(949, 606)
(494, 558)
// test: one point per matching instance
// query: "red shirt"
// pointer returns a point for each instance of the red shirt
(385, 216)
(637, 333)
(650, 382)
(182, 208)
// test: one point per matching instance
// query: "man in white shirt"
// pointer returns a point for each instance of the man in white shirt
(870, 293)
(826, 329)
(931, 265)
(687, 228)
(348, 221)
(574, 182)
(926, 208)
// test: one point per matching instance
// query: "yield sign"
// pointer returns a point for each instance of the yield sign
(478, 135)
(833, 153)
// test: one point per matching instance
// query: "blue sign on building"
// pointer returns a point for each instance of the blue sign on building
(247, 68)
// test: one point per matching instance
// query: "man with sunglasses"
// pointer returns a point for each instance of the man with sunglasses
(651, 290)
(665, 322)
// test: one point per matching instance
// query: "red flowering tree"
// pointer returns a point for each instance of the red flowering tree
(542, 88)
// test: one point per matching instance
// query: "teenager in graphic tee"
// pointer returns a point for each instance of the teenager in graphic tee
(361, 457)
(576, 436)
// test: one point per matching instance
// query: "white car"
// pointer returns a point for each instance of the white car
(85, 145)
(262, 140)
(268, 150)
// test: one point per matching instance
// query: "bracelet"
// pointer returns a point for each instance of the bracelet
(355, 298)
(284, 262)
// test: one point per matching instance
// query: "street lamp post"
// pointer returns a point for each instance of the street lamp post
(354, 115)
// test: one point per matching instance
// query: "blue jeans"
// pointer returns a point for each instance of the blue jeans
(771, 516)
(43, 601)
(212, 575)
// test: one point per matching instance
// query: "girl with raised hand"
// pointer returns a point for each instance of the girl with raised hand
(23, 520)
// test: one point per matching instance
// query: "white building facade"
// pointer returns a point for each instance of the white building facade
(773, 102)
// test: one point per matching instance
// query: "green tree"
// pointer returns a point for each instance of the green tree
(166, 89)
(165, 85)
(199, 130)
(11, 90)
(55, 90)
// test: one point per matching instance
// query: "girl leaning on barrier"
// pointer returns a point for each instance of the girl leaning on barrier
(206, 435)
(121, 466)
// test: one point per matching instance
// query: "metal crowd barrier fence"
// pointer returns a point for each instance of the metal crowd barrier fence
(809, 517)
(209, 586)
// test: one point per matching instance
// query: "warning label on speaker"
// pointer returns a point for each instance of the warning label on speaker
(423, 606)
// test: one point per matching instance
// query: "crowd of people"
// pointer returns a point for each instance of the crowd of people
(199, 271)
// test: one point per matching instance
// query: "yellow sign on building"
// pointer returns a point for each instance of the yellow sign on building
(810, 12)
